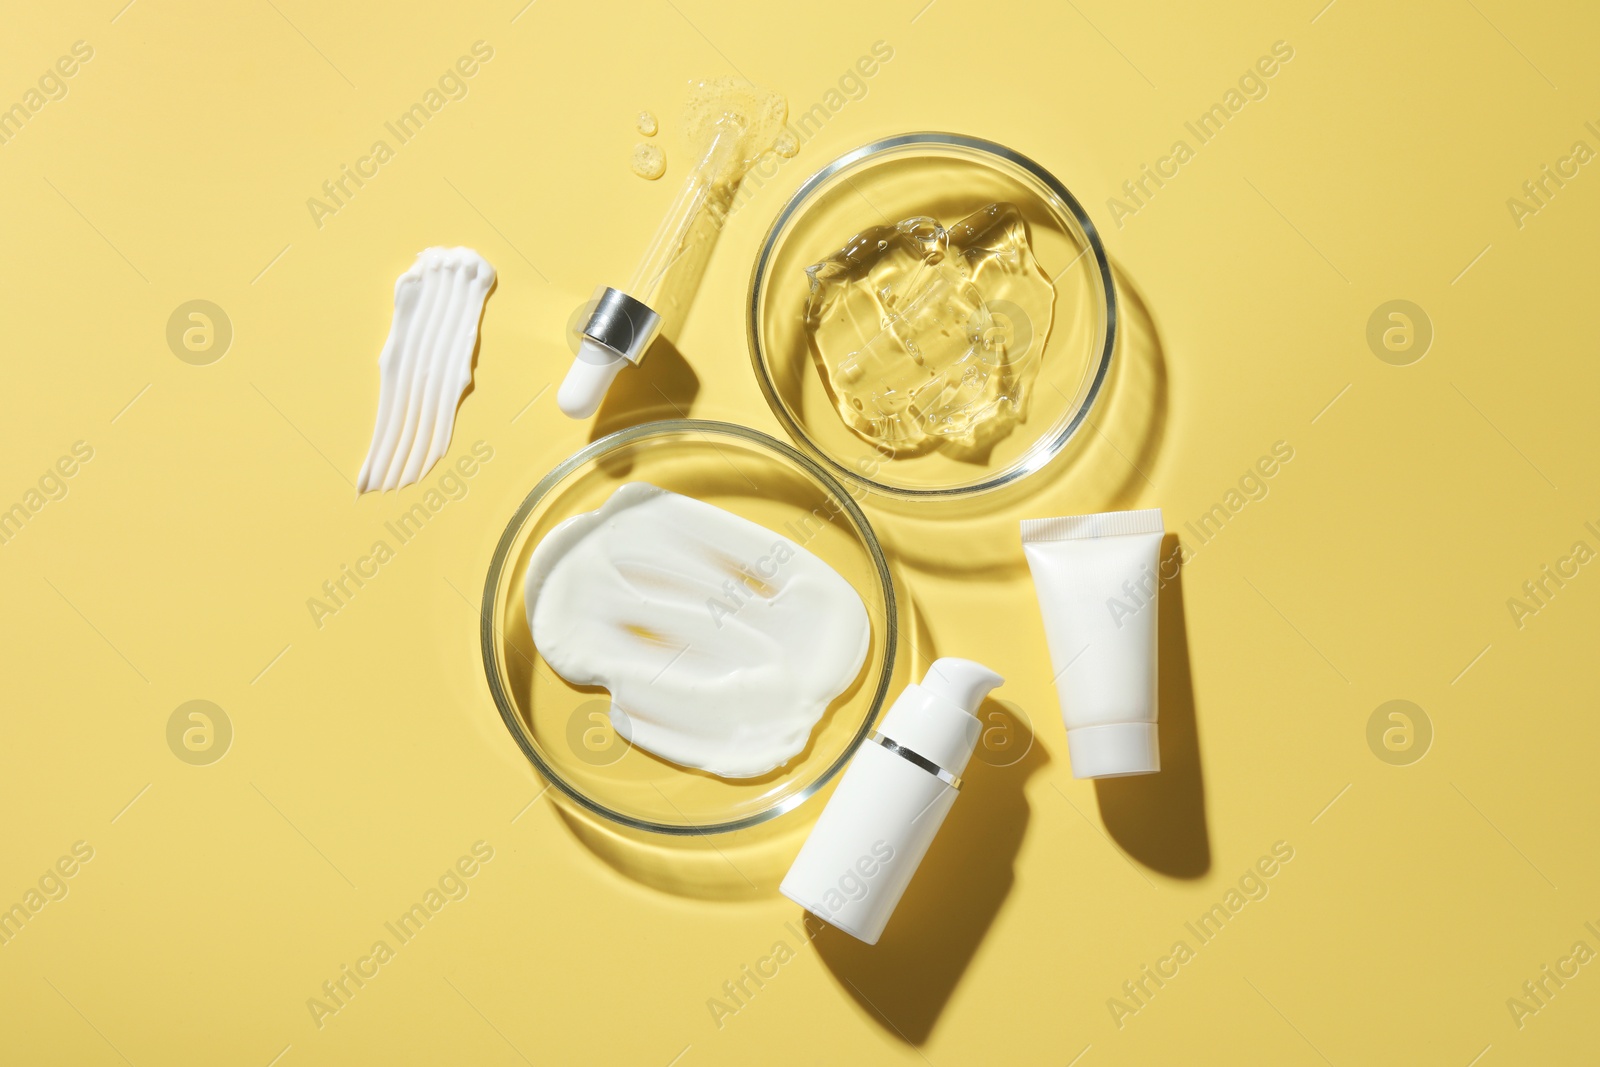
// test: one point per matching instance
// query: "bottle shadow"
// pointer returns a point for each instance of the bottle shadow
(1160, 819)
(904, 981)
(662, 386)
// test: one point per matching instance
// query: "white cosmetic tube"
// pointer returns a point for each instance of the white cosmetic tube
(1098, 587)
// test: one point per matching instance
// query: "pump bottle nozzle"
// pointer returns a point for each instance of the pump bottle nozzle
(963, 682)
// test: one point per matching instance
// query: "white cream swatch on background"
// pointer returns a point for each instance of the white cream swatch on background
(721, 642)
(426, 364)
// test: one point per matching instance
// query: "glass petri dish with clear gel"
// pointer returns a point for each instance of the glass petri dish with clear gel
(944, 176)
(565, 730)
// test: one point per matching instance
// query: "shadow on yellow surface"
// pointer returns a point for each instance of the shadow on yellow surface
(1160, 819)
(905, 980)
(1105, 467)
(1133, 417)
(662, 386)
(744, 865)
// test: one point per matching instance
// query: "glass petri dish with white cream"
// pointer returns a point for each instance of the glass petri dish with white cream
(567, 731)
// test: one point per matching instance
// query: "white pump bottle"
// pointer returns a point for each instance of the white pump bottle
(894, 796)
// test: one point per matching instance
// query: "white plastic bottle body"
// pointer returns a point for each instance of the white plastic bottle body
(868, 842)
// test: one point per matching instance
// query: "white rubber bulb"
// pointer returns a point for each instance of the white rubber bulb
(588, 379)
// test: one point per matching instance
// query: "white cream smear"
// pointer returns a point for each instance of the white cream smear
(722, 644)
(426, 364)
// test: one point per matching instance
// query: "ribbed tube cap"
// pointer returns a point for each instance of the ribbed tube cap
(1114, 750)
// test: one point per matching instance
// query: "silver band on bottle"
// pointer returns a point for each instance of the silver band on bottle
(917, 760)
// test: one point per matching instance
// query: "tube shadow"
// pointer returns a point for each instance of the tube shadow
(662, 386)
(904, 981)
(1160, 819)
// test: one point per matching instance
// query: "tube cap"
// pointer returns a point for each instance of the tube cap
(1114, 750)
(588, 379)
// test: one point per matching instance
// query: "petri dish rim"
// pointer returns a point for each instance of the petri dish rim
(490, 634)
(1052, 443)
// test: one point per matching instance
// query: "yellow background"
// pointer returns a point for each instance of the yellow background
(367, 756)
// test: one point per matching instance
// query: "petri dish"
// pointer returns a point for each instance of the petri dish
(565, 730)
(945, 176)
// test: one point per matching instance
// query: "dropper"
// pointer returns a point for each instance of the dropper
(624, 323)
